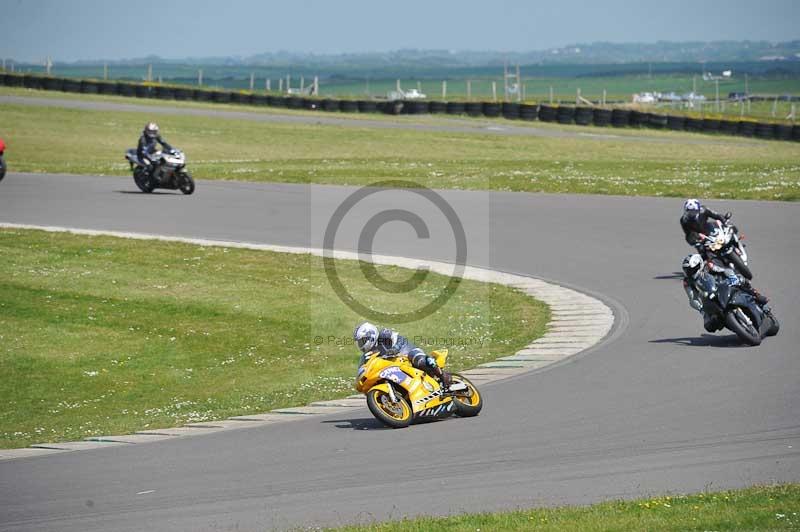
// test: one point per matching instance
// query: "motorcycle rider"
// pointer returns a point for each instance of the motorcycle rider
(390, 344)
(693, 267)
(148, 145)
(694, 219)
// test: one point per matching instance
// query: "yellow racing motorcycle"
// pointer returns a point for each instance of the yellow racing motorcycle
(398, 393)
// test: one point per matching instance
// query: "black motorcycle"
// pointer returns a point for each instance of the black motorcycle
(723, 241)
(736, 309)
(168, 170)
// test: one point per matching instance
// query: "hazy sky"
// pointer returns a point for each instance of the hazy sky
(31, 30)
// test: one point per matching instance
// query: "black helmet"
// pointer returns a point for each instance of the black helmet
(151, 130)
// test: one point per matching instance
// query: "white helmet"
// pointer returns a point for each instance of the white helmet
(366, 336)
(691, 264)
(151, 130)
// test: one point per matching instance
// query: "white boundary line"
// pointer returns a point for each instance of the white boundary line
(578, 322)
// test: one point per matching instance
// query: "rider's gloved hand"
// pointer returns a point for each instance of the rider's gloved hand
(728, 215)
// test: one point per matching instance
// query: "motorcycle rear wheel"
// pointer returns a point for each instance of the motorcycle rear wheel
(740, 266)
(142, 180)
(397, 415)
(186, 183)
(746, 332)
(2, 168)
(469, 403)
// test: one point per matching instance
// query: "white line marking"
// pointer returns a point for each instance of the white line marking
(145, 492)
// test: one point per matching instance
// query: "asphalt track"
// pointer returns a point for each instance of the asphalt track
(658, 407)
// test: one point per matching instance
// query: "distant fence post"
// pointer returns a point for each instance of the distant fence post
(302, 83)
(444, 89)
(419, 86)
(551, 95)
(469, 89)
(200, 77)
(316, 86)
(604, 96)
(494, 91)
(268, 85)
(252, 81)
(774, 106)
(578, 96)
(397, 85)
(105, 71)
(288, 82)
(149, 72)
(280, 85)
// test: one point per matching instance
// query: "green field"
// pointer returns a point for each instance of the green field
(102, 335)
(761, 508)
(656, 163)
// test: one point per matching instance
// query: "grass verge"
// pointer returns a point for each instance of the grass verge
(756, 508)
(102, 335)
(668, 164)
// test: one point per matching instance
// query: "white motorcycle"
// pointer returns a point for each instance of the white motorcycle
(168, 170)
(724, 242)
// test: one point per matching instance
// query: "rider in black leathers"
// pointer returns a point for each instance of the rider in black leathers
(389, 344)
(148, 144)
(693, 222)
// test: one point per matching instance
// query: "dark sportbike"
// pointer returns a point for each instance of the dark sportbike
(736, 309)
(722, 241)
(167, 171)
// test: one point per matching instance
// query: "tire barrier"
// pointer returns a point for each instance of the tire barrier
(456, 108)
(12, 80)
(71, 85)
(565, 114)
(183, 94)
(746, 129)
(32, 82)
(434, 107)
(104, 87)
(510, 110)
(710, 125)
(348, 106)
(491, 109)
(142, 91)
(676, 123)
(89, 87)
(765, 131)
(547, 113)
(728, 127)
(367, 106)
(202, 95)
(529, 111)
(473, 108)
(584, 115)
(694, 124)
(638, 118)
(164, 93)
(221, 97)
(260, 99)
(330, 105)
(656, 121)
(602, 117)
(620, 118)
(783, 132)
(53, 84)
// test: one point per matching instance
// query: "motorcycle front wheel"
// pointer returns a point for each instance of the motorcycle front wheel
(187, 183)
(397, 414)
(737, 321)
(740, 266)
(469, 402)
